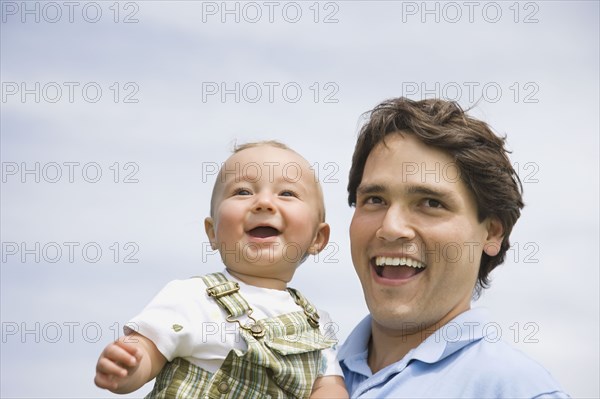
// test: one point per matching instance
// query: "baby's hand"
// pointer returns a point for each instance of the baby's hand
(118, 361)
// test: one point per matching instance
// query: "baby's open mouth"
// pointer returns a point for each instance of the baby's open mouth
(397, 268)
(263, 232)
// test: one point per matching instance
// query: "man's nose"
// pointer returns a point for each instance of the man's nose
(264, 203)
(396, 225)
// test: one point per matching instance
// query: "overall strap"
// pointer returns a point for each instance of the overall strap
(309, 310)
(226, 294)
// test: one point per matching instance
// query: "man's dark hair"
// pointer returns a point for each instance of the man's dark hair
(479, 154)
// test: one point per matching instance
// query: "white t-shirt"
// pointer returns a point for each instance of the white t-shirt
(183, 321)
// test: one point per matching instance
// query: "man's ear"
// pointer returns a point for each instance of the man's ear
(321, 239)
(209, 227)
(494, 237)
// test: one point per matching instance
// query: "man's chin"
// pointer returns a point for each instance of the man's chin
(397, 317)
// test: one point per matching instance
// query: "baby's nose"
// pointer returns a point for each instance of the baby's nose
(264, 203)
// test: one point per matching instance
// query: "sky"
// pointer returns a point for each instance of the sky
(115, 116)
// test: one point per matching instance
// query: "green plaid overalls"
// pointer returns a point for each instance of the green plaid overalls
(282, 361)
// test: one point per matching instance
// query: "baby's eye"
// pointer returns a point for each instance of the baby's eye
(288, 193)
(242, 191)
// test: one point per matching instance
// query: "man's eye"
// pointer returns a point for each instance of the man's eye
(374, 200)
(432, 203)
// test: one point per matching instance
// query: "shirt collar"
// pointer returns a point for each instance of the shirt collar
(358, 340)
(353, 353)
(469, 326)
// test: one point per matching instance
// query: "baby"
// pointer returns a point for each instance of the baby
(241, 333)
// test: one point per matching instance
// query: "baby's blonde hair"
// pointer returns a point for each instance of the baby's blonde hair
(271, 143)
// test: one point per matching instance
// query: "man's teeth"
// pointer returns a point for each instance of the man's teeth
(389, 261)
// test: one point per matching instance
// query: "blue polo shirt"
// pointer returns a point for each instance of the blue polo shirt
(466, 358)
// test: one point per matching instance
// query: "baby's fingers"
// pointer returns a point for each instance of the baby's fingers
(118, 354)
(105, 381)
(109, 368)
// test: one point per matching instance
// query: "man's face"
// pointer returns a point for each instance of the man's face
(267, 209)
(415, 237)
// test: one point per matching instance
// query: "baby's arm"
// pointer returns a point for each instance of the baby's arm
(128, 363)
(329, 387)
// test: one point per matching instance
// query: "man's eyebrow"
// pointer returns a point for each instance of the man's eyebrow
(433, 192)
(409, 190)
(364, 189)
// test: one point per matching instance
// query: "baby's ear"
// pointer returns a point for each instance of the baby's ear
(321, 239)
(209, 227)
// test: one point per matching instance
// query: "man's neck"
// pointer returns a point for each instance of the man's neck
(389, 345)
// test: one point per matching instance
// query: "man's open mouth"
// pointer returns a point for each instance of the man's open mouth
(397, 268)
(263, 232)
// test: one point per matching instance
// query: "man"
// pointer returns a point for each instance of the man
(435, 201)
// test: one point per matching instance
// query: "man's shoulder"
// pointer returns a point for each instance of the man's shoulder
(480, 366)
(506, 370)
(503, 353)
(482, 369)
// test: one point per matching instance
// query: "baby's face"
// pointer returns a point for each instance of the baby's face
(267, 212)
